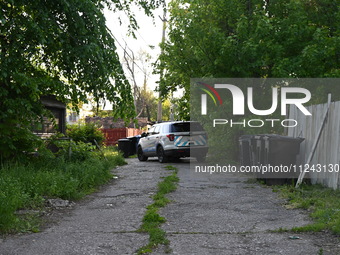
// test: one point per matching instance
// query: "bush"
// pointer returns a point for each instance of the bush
(85, 133)
(74, 151)
(26, 185)
(70, 150)
(16, 141)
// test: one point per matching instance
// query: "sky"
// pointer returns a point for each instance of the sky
(149, 33)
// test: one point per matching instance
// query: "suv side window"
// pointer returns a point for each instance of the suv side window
(157, 129)
(165, 129)
(151, 130)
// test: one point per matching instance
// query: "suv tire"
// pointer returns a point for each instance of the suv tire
(140, 154)
(161, 155)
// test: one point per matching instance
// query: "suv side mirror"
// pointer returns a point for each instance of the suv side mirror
(144, 134)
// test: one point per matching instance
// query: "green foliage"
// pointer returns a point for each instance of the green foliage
(152, 220)
(258, 39)
(79, 151)
(166, 104)
(27, 185)
(170, 167)
(147, 104)
(249, 39)
(15, 142)
(72, 150)
(183, 107)
(85, 133)
(322, 203)
(11, 198)
(60, 48)
(168, 184)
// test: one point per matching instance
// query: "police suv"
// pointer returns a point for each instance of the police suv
(173, 140)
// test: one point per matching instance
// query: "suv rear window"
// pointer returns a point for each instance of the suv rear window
(186, 127)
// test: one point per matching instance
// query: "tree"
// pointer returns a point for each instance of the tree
(147, 106)
(250, 39)
(142, 63)
(62, 48)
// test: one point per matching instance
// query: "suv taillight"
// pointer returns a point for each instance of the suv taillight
(171, 137)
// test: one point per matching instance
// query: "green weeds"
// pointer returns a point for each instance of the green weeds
(152, 220)
(26, 185)
(169, 167)
(322, 203)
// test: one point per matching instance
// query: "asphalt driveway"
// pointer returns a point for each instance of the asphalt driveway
(229, 214)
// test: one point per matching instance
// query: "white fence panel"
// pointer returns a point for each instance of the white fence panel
(327, 153)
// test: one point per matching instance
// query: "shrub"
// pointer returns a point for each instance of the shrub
(85, 133)
(68, 149)
(74, 151)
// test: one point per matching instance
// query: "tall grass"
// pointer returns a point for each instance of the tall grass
(26, 185)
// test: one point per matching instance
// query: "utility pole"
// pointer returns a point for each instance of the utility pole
(159, 110)
(172, 107)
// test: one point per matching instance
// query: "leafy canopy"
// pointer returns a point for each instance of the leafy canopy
(60, 48)
(250, 38)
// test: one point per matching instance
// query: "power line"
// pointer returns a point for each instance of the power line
(141, 37)
(125, 51)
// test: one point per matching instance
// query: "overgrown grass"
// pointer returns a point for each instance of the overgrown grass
(322, 203)
(152, 220)
(27, 185)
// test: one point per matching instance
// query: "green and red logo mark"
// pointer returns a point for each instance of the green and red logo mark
(211, 92)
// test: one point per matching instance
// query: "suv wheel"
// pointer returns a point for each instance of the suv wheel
(161, 155)
(140, 154)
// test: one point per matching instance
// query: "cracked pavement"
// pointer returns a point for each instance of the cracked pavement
(210, 214)
(227, 214)
(103, 223)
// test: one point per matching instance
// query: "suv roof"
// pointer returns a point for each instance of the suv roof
(179, 126)
(175, 122)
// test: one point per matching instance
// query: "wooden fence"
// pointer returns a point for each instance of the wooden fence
(327, 153)
(112, 135)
